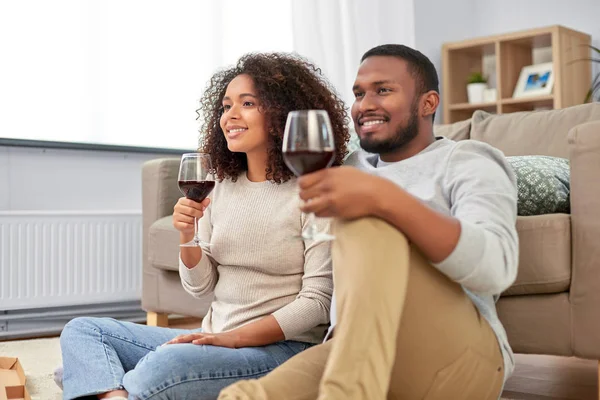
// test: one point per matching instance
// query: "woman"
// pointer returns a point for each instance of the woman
(271, 289)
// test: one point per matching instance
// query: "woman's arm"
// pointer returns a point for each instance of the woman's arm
(312, 304)
(197, 270)
(258, 333)
(309, 309)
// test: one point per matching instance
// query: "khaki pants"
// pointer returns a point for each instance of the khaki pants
(405, 331)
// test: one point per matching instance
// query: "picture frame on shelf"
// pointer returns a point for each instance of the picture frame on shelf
(535, 80)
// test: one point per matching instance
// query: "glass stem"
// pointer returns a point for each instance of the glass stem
(314, 230)
(196, 238)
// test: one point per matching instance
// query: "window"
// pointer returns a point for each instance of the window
(126, 72)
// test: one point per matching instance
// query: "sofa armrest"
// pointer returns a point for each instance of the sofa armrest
(159, 188)
(159, 195)
(584, 153)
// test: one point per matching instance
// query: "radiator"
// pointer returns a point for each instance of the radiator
(57, 259)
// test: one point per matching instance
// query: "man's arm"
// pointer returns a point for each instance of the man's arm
(355, 194)
(434, 233)
(476, 245)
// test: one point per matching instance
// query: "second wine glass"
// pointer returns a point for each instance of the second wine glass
(308, 146)
(196, 181)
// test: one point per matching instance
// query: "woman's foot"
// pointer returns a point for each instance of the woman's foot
(58, 376)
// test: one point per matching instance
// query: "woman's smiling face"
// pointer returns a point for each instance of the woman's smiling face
(243, 122)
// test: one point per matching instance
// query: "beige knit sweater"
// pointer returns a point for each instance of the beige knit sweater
(256, 266)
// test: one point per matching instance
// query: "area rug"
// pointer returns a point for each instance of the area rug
(39, 358)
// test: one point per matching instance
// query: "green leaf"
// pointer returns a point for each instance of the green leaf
(593, 89)
(585, 59)
(596, 88)
(476, 77)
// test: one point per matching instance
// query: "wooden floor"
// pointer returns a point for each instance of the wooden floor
(535, 378)
(553, 378)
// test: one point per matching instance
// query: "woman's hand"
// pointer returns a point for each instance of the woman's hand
(184, 212)
(225, 339)
(183, 220)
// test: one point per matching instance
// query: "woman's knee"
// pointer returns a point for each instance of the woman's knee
(158, 370)
(77, 327)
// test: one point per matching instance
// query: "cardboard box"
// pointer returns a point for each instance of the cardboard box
(12, 380)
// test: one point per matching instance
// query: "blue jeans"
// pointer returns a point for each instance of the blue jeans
(103, 354)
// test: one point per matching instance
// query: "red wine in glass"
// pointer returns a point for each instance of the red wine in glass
(306, 161)
(308, 146)
(196, 190)
(196, 181)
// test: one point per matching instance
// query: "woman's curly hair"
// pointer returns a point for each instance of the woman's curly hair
(284, 82)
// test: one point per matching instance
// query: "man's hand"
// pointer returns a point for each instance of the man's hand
(225, 339)
(343, 192)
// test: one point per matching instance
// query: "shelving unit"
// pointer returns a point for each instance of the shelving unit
(504, 56)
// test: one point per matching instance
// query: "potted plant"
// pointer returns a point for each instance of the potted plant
(476, 84)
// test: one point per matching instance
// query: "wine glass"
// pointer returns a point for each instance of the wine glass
(196, 181)
(308, 146)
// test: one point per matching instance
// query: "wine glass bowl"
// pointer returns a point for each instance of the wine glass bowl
(308, 146)
(196, 181)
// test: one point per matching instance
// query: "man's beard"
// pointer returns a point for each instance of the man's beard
(403, 136)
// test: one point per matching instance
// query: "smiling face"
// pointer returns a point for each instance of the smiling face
(242, 122)
(386, 106)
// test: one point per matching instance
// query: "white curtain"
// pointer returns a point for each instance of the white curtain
(334, 34)
(130, 72)
(123, 72)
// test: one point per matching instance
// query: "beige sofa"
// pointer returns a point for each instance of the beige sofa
(554, 305)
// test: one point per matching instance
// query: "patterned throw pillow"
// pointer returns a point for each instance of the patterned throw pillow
(543, 184)
(354, 143)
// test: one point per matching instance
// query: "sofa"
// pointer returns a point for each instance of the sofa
(553, 306)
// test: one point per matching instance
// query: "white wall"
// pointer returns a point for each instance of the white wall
(34, 179)
(123, 72)
(343, 30)
(116, 180)
(580, 15)
(440, 21)
(111, 181)
(495, 17)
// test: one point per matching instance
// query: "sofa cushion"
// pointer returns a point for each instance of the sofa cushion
(532, 133)
(456, 131)
(163, 244)
(544, 255)
(542, 184)
(538, 324)
(544, 252)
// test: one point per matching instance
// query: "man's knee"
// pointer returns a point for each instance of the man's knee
(244, 390)
(366, 238)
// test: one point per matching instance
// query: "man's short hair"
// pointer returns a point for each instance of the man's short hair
(419, 65)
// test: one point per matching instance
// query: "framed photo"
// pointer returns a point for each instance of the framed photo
(535, 80)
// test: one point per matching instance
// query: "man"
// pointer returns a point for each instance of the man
(425, 241)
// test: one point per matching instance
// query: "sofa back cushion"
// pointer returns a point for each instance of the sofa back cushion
(456, 131)
(532, 133)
